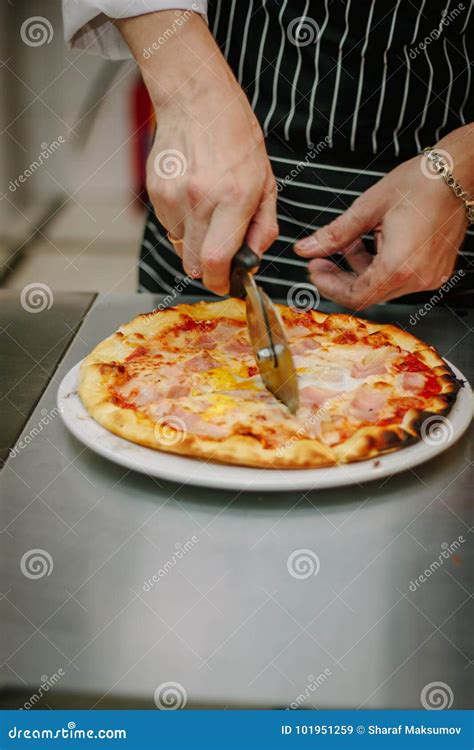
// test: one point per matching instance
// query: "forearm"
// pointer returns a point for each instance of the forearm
(223, 192)
(177, 55)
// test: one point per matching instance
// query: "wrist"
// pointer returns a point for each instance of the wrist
(458, 147)
(438, 164)
(177, 56)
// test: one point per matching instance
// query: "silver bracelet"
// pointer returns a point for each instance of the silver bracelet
(441, 166)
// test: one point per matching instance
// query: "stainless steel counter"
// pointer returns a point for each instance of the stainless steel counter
(224, 617)
(30, 349)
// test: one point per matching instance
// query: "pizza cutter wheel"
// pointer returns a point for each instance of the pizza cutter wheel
(266, 331)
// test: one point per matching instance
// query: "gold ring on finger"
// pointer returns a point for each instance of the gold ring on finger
(174, 241)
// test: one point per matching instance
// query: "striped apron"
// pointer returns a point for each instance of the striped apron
(345, 90)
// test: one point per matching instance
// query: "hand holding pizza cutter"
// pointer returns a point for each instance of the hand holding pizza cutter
(266, 332)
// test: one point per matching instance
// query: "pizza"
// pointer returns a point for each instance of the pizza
(184, 380)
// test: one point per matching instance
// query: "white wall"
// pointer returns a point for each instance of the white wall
(44, 89)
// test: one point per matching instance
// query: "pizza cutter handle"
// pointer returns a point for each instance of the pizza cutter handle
(244, 261)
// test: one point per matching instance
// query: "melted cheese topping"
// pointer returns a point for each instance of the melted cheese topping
(221, 404)
(213, 387)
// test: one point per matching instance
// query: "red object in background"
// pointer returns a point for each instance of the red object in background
(143, 127)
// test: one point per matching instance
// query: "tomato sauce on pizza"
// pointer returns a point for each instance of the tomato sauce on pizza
(184, 380)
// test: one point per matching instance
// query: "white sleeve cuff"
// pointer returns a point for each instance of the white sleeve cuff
(87, 23)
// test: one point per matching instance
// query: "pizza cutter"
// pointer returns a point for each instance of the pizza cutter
(266, 331)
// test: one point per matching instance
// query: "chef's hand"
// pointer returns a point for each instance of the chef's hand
(208, 174)
(419, 225)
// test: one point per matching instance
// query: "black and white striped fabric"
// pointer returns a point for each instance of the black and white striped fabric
(344, 90)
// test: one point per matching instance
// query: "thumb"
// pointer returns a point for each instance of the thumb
(364, 214)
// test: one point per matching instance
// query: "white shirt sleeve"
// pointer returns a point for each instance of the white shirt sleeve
(87, 23)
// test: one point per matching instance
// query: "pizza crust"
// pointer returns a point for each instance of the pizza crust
(243, 450)
(101, 370)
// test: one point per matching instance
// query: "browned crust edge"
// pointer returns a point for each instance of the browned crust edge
(368, 442)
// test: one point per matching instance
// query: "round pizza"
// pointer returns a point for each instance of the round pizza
(184, 380)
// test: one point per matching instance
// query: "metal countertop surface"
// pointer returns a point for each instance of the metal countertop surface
(31, 349)
(227, 621)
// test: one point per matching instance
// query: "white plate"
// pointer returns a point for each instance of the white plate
(439, 436)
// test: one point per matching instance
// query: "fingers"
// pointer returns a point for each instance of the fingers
(412, 253)
(350, 290)
(230, 227)
(357, 257)
(390, 274)
(263, 229)
(212, 220)
(372, 278)
(364, 214)
(176, 241)
(196, 228)
(226, 234)
(343, 287)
